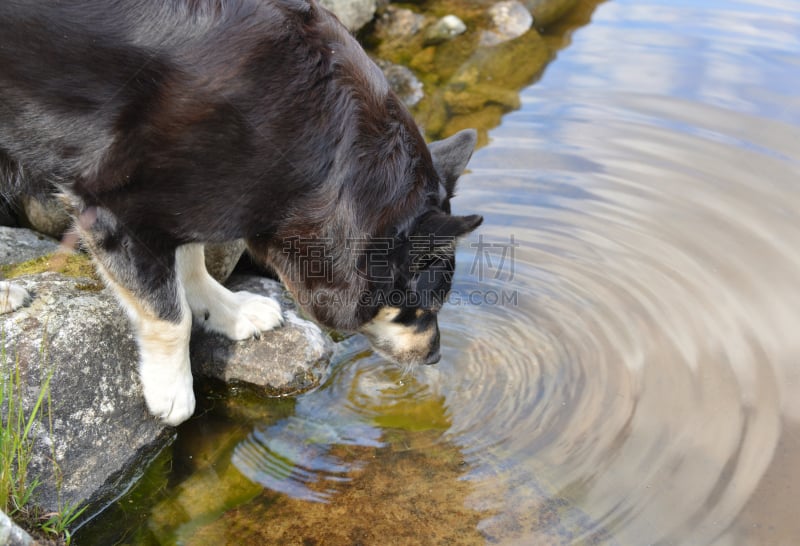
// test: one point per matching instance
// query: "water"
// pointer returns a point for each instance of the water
(620, 358)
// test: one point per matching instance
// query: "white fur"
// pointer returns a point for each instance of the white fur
(12, 297)
(164, 368)
(238, 316)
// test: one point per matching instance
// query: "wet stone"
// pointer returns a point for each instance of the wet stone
(546, 12)
(403, 82)
(446, 28)
(510, 19)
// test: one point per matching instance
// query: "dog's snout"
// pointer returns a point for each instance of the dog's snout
(433, 358)
(434, 355)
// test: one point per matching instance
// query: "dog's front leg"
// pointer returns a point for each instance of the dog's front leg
(237, 315)
(141, 272)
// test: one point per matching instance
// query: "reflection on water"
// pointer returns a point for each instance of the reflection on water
(650, 371)
(620, 358)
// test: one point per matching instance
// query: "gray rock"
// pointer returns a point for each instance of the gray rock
(98, 424)
(397, 22)
(46, 216)
(97, 427)
(446, 28)
(353, 14)
(510, 19)
(19, 245)
(221, 258)
(11, 534)
(403, 82)
(288, 360)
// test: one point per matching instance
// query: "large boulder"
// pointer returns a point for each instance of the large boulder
(75, 339)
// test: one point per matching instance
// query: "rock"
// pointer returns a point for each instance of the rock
(446, 28)
(20, 245)
(403, 82)
(510, 20)
(546, 12)
(221, 258)
(353, 14)
(98, 424)
(46, 216)
(397, 22)
(11, 534)
(288, 360)
(98, 427)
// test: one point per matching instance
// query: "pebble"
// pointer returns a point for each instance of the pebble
(446, 28)
(510, 19)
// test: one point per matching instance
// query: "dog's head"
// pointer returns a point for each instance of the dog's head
(420, 267)
(388, 282)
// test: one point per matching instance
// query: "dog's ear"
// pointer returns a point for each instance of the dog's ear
(451, 155)
(447, 226)
(435, 238)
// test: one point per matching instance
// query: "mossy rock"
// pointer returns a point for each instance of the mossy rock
(76, 265)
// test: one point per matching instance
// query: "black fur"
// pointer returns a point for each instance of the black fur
(168, 122)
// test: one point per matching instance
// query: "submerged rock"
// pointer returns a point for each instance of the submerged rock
(403, 82)
(546, 12)
(446, 28)
(510, 20)
(397, 22)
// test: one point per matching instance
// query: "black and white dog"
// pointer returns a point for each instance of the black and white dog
(166, 124)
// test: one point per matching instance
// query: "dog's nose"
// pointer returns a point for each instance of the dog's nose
(433, 357)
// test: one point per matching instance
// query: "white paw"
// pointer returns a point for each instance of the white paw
(165, 370)
(12, 297)
(244, 315)
(262, 312)
(169, 395)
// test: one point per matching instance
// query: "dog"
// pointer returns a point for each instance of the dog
(167, 124)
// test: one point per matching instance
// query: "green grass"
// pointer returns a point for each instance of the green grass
(16, 451)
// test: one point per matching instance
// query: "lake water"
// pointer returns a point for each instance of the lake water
(621, 355)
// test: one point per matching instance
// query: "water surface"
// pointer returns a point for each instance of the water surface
(620, 355)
